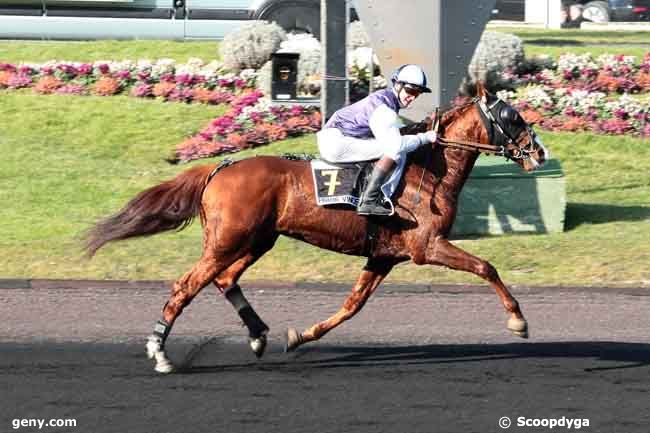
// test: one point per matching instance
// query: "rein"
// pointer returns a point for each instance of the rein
(472, 146)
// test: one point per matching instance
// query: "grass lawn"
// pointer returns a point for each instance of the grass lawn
(557, 42)
(67, 161)
(90, 51)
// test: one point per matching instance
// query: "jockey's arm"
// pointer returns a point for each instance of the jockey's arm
(385, 124)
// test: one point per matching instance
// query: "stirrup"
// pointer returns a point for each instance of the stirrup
(376, 208)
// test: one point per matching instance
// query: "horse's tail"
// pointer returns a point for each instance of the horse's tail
(171, 205)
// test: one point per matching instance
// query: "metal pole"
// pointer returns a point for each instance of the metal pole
(334, 87)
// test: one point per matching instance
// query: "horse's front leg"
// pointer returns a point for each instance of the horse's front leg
(443, 252)
(373, 274)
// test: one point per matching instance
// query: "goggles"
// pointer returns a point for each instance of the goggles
(412, 89)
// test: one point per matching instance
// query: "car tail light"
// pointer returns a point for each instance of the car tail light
(640, 9)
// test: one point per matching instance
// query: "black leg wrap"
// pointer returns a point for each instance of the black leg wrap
(256, 327)
(161, 329)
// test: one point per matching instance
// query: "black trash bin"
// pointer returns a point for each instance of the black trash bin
(284, 79)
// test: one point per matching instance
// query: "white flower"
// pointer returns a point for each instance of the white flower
(124, 65)
(536, 96)
(572, 61)
(163, 66)
(506, 95)
(247, 74)
(144, 65)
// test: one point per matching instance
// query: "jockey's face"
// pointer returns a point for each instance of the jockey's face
(407, 93)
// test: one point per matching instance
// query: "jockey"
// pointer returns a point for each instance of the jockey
(369, 129)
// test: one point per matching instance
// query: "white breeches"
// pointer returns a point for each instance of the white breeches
(336, 147)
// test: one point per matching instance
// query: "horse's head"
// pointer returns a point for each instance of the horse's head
(507, 129)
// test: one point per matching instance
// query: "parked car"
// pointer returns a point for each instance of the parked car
(596, 11)
(149, 19)
(616, 10)
(509, 10)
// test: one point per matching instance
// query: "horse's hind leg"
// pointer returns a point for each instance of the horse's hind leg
(373, 274)
(443, 252)
(215, 259)
(226, 282)
(184, 290)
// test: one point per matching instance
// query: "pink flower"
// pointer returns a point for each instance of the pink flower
(184, 79)
(26, 70)
(18, 81)
(85, 69)
(104, 68)
(167, 77)
(123, 75)
(621, 113)
(143, 75)
(72, 89)
(142, 90)
(645, 132)
(7, 67)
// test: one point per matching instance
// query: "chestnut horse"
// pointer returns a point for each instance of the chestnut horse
(246, 206)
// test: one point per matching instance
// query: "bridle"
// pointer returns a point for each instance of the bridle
(507, 144)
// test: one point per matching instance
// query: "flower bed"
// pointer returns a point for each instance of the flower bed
(194, 81)
(577, 93)
(586, 94)
(251, 122)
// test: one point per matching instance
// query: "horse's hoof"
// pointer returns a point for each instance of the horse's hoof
(163, 364)
(519, 327)
(294, 339)
(258, 345)
(164, 367)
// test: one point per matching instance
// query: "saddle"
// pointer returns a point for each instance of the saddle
(340, 183)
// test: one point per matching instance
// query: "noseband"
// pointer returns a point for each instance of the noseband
(498, 132)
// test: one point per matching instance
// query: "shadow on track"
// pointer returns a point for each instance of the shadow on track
(624, 356)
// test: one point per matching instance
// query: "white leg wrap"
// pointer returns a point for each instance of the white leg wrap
(155, 351)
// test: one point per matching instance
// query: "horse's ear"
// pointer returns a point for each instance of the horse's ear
(480, 90)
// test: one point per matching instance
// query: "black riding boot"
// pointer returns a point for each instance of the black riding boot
(372, 199)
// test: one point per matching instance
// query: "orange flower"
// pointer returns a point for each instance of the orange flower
(47, 85)
(201, 94)
(273, 132)
(297, 122)
(5, 76)
(643, 80)
(607, 82)
(573, 124)
(163, 89)
(237, 141)
(106, 86)
(532, 116)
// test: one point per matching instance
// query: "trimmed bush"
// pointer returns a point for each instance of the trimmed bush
(495, 53)
(357, 36)
(252, 45)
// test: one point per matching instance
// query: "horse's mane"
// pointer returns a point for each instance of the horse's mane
(447, 117)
